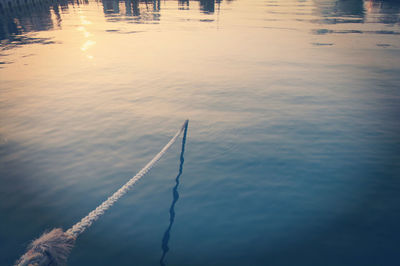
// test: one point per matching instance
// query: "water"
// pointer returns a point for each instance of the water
(292, 152)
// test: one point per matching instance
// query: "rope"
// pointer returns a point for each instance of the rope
(81, 226)
(52, 248)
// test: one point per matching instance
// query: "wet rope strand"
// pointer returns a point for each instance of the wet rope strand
(52, 248)
(85, 223)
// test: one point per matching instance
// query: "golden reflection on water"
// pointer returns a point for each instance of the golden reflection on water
(151, 50)
(87, 44)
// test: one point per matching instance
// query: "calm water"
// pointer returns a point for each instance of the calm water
(292, 153)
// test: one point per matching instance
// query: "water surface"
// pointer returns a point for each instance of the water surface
(292, 153)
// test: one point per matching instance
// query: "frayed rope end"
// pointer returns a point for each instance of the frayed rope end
(51, 249)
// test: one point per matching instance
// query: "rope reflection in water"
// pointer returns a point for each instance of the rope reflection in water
(175, 197)
(53, 248)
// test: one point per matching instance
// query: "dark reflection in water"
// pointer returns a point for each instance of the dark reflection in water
(340, 11)
(175, 194)
(16, 41)
(354, 11)
(183, 4)
(326, 31)
(390, 10)
(131, 6)
(139, 8)
(23, 19)
(207, 6)
(140, 11)
(46, 15)
(348, 8)
(32, 18)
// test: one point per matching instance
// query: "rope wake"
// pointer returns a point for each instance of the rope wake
(53, 247)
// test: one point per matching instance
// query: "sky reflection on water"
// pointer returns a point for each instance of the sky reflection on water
(294, 139)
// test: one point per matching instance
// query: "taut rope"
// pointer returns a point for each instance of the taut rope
(53, 248)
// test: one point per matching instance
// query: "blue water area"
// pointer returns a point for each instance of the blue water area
(292, 152)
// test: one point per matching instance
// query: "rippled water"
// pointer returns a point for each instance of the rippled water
(292, 152)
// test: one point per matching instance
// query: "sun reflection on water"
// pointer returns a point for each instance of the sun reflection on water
(88, 43)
